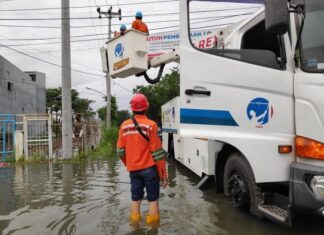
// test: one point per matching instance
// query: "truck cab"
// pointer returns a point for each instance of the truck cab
(251, 112)
(251, 108)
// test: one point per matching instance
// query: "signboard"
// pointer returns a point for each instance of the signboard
(157, 44)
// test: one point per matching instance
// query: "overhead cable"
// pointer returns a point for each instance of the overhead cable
(127, 16)
(104, 25)
(79, 7)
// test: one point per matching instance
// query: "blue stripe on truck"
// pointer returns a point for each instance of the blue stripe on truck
(207, 117)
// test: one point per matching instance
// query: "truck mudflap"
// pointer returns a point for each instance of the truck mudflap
(303, 198)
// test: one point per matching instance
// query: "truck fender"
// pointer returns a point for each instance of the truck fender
(220, 160)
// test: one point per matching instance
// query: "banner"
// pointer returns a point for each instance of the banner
(157, 44)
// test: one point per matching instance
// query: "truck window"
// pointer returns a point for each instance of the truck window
(258, 38)
(210, 35)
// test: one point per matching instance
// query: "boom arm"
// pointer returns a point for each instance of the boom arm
(160, 61)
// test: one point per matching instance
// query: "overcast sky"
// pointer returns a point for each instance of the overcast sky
(85, 54)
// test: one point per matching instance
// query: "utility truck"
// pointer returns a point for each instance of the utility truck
(250, 113)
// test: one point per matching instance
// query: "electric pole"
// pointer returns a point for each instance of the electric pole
(67, 148)
(110, 15)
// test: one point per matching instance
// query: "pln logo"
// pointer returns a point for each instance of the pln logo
(259, 111)
(119, 50)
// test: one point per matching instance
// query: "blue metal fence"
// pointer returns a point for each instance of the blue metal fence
(7, 136)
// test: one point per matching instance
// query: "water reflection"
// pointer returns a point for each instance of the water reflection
(93, 198)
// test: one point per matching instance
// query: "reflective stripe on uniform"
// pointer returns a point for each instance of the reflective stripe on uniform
(130, 129)
(134, 133)
(158, 154)
(120, 152)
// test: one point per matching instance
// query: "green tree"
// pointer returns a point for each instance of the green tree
(79, 105)
(160, 93)
(102, 112)
(122, 115)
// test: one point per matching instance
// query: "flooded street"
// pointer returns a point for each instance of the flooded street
(93, 198)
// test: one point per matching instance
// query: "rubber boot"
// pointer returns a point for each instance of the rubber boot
(152, 220)
(135, 218)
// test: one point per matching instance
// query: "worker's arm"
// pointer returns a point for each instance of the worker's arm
(159, 155)
(121, 152)
(134, 25)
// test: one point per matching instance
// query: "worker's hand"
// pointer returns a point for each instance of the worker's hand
(164, 182)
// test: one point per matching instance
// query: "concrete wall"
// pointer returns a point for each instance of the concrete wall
(21, 93)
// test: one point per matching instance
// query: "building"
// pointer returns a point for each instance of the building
(21, 92)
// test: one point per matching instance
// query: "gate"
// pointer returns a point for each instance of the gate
(7, 136)
(37, 136)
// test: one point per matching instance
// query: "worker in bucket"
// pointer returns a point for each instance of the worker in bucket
(122, 31)
(140, 149)
(138, 23)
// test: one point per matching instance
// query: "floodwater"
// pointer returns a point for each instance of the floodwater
(93, 198)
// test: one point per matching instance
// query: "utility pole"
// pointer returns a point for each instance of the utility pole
(110, 15)
(67, 148)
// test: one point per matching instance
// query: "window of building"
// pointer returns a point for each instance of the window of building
(10, 86)
(33, 77)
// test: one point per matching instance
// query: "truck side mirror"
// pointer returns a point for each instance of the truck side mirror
(276, 16)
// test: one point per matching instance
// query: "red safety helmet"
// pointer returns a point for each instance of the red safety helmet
(139, 103)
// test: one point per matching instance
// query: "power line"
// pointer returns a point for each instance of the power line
(79, 7)
(48, 62)
(91, 35)
(73, 49)
(104, 25)
(94, 28)
(127, 16)
(57, 65)
(115, 83)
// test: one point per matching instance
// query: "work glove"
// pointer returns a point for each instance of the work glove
(161, 169)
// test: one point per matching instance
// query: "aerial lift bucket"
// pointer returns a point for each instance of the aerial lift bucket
(127, 54)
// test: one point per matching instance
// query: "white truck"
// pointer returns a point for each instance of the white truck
(251, 115)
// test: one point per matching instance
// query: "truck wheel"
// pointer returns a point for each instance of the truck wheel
(239, 184)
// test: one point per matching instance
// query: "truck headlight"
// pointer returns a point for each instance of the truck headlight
(317, 185)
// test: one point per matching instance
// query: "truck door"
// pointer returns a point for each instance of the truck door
(309, 86)
(241, 95)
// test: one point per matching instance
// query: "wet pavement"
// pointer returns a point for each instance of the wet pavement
(93, 198)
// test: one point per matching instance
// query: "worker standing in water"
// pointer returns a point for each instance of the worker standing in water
(140, 149)
(138, 23)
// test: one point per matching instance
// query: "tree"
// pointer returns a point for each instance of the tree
(103, 111)
(160, 93)
(79, 105)
(122, 115)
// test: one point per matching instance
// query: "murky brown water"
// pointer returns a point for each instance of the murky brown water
(93, 198)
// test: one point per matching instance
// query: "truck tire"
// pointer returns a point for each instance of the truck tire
(239, 184)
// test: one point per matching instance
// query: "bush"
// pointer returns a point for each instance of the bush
(110, 136)
(107, 147)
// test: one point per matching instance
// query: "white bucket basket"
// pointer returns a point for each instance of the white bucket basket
(127, 54)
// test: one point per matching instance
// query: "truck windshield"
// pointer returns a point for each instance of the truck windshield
(312, 44)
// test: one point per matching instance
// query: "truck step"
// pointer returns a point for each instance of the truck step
(276, 207)
(274, 211)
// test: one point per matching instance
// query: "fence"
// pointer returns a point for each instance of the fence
(86, 134)
(41, 135)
